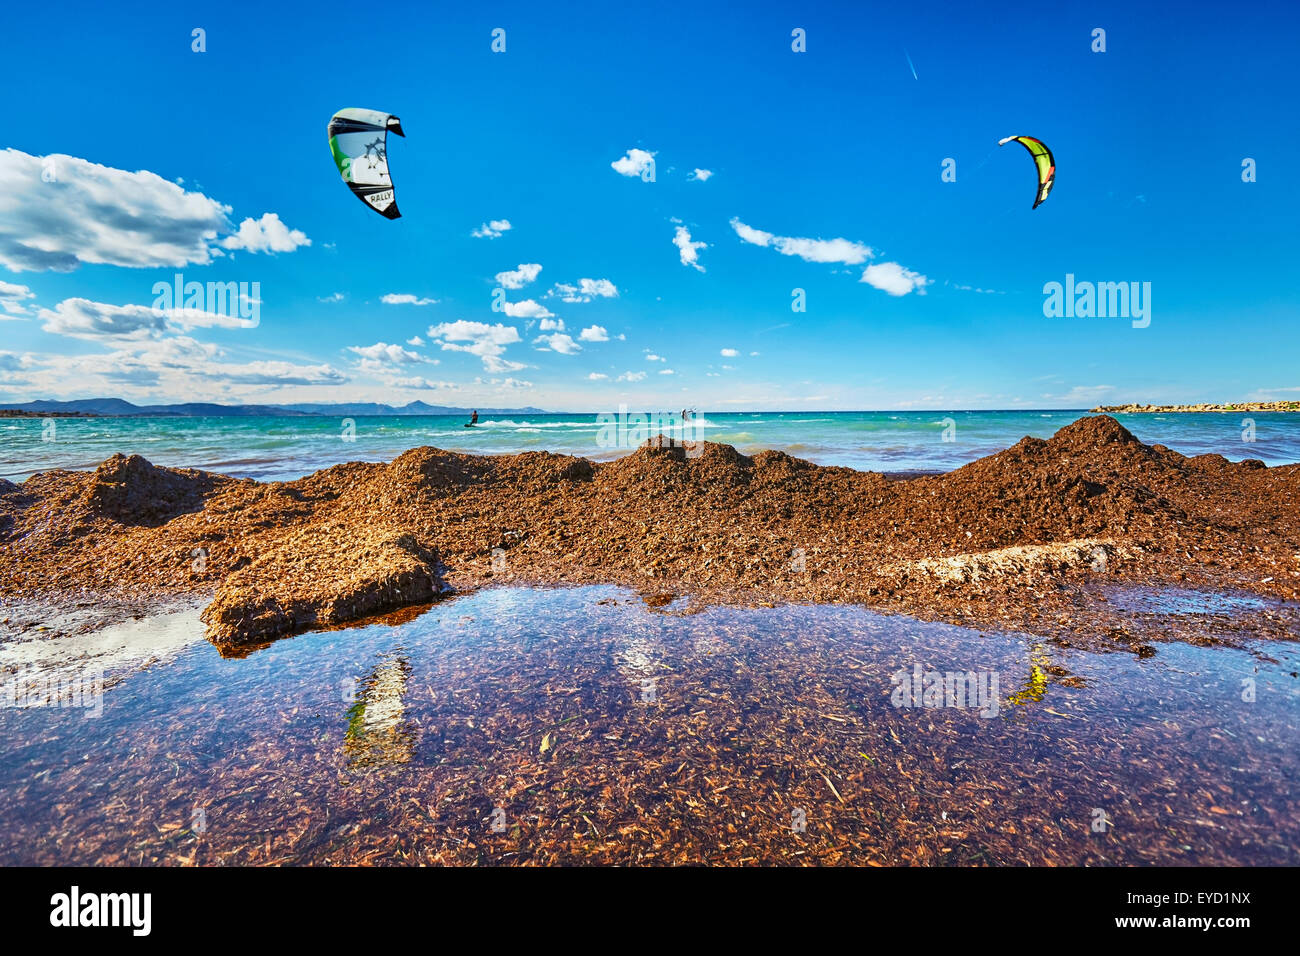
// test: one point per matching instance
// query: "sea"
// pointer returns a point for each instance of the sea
(278, 448)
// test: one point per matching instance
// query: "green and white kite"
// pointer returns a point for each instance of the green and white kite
(359, 142)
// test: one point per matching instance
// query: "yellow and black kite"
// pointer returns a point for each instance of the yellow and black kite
(1043, 159)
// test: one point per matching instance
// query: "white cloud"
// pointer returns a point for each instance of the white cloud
(527, 309)
(493, 229)
(415, 340)
(593, 377)
(893, 278)
(83, 319)
(631, 376)
(405, 298)
(13, 362)
(558, 342)
(666, 371)
(382, 357)
(689, 251)
(551, 325)
(99, 215)
(651, 357)
(267, 234)
(585, 290)
(636, 162)
(700, 175)
(810, 250)
(488, 342)
(518, 278)
(972, 288)
(889, 277)
(177, 365)
(594, 333)
(12, 297)
(334, 297)
(728, 353)
(422, 383)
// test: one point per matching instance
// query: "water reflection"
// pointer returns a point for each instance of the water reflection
(379, 732)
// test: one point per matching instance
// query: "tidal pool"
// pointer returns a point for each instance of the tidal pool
(518, 726)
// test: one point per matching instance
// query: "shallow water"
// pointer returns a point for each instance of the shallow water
(1183, 601)
(287, 447)
(521, 726)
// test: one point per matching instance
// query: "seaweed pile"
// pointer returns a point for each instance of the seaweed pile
(1011, 540)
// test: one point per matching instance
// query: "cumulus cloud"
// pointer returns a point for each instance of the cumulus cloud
(728, 353)
(585, 290)
(558, 342)
(700, 175)
(267, 234)
(893, 278)
(488, 342)
(405, 298)
(59, 212)
(333, 297)
(492, 229)
(689, 251)
(631, 376)
(593, 377)
(96, 214)
(382, 357)
(415, 340)
(520, 277)
(636, 162)
(594, 333)
(526, 309)
(551, 325)
(810, 250)
(12, 297)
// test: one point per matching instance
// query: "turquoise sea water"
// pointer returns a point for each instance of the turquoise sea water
(279, 448)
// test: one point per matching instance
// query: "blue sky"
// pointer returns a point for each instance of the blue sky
(160, 154)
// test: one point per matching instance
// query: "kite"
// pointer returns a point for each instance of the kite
(359, 142)
(1043, 159)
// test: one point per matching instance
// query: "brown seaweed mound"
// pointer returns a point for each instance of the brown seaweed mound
(995, 543)
(328, 576)
(130, 490)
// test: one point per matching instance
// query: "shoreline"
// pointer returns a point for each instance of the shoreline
(1020, 540)
(1135, 408)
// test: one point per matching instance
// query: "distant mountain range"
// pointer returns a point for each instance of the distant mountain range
(122, 408)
